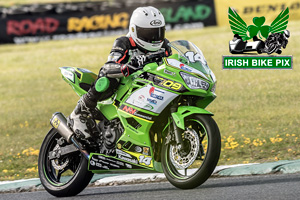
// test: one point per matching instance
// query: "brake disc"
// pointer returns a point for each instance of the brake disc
(183, 161)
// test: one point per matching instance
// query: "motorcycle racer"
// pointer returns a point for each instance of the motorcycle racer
(146, 34)
(275, 41)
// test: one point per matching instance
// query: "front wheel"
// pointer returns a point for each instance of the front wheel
(65, 175)
(191, 165)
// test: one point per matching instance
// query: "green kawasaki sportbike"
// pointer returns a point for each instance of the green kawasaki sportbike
(156, 121)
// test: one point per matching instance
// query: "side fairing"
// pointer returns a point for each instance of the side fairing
(151, 98)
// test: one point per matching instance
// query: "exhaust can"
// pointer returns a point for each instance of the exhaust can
(59, 122)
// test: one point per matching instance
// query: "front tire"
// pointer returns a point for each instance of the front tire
(64, 176)
(190, 167)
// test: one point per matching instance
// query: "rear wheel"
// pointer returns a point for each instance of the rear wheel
(62, 176)
(192, 165)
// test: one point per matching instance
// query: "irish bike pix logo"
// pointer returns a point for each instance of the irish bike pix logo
(259, 44)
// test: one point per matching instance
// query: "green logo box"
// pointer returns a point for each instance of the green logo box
(257, 62)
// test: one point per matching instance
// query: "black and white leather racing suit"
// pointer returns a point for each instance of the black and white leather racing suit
(123, 49)
(117, 66)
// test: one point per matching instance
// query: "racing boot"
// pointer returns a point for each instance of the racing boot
(81, 120)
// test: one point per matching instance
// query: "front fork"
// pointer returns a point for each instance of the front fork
(177, 131)
(179, 114)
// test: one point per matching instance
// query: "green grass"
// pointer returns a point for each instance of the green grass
(257, 110)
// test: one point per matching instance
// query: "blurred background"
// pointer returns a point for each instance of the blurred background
(257, 110)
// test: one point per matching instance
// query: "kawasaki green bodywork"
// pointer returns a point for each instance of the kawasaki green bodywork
(81, 79)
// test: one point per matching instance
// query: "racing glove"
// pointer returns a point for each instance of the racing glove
(128, 69)
(134, 65)
(138, 61)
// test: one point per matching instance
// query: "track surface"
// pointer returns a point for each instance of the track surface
(283, 186)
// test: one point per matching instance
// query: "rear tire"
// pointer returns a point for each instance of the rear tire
(78, 177)
(176, 165)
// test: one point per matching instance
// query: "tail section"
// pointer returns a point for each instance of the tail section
(79, 79)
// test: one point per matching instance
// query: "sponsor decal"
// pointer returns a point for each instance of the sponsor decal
(119, 146)
(138, 149)
(112, 163)
(184, 67)
(95, 159)
(55, 122)
(155, 22)
(146, 150)
(120, 152)
(143, 116)
(152, 101)
(169, 72)
(148, 107)
(142, 150)
(116, 48)
(132, 160)
(120, 163)
(100, 166)
(142, 159)
(139, 155)
(157, 96)
(141, 98)
(160, 91)
(180, 65)
(151, 90)
(129, 166)
(153, 95)
(92, 163)
(68, 75)
(134, 112)
(129, 110)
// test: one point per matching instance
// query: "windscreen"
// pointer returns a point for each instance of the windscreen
(192, 54)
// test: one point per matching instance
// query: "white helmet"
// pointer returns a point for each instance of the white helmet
(147, 28)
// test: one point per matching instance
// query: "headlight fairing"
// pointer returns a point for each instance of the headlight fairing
(213, 89)
(193, 82)
(213, 77)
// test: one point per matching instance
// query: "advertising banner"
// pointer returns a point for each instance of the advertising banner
(190, 14)
(31, 28)
(24, 28)
(257, 8)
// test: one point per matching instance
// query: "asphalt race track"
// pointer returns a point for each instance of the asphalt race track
(280, 186)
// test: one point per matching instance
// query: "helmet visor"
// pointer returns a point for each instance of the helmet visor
(151, 35)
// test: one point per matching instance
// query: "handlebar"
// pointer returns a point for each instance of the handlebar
(158, 54)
